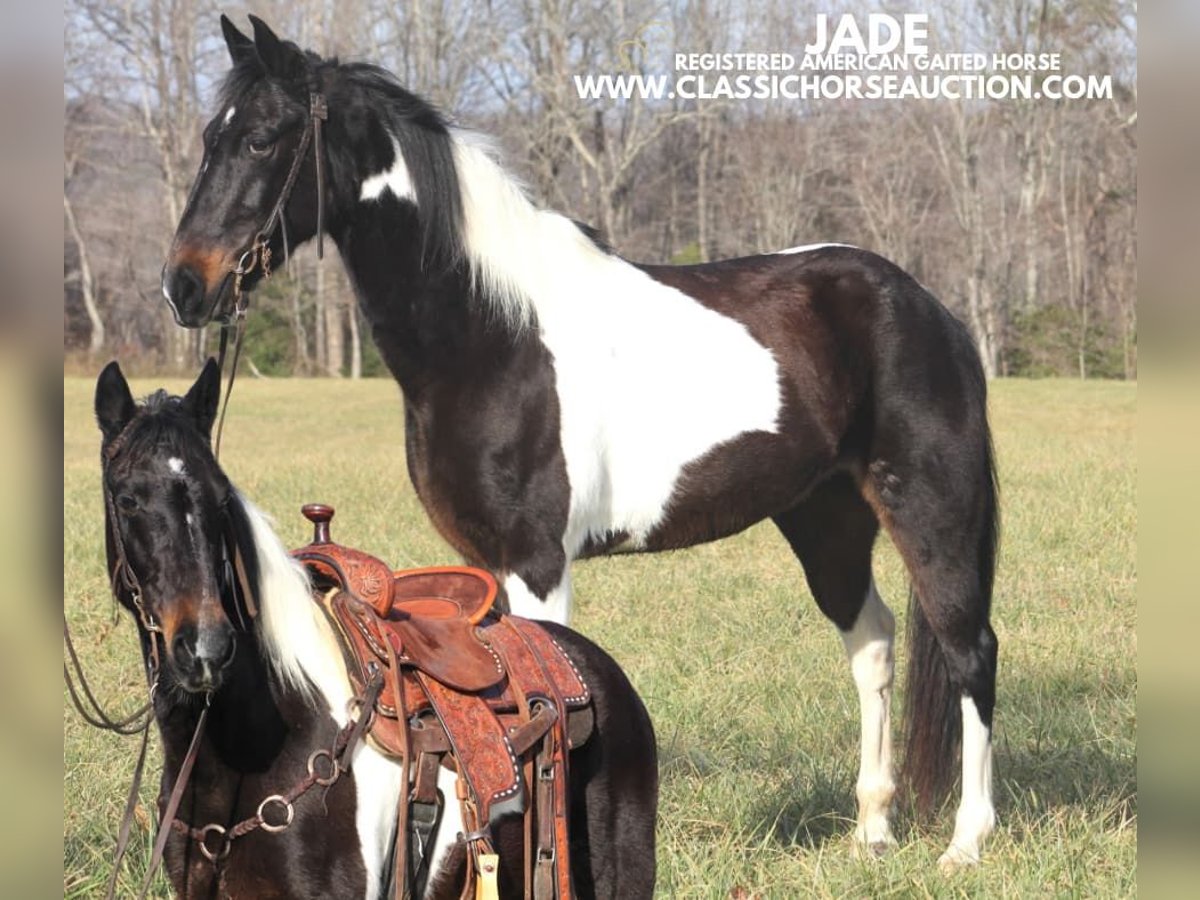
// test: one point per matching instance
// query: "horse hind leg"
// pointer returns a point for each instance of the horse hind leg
(832, 533)
(944, 526)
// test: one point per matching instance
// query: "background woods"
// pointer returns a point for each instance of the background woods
(1020, 215)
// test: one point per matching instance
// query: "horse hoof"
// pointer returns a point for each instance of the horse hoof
(874, 849)
(955, 859)
(879, 849)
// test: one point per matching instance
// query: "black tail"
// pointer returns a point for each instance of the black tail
(933, 711)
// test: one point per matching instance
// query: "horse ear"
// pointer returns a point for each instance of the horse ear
(204, 396)
(114, 403)
(283, 59)
(240, 46)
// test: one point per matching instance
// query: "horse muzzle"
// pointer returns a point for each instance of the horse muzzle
(200, 658)
(197, 295)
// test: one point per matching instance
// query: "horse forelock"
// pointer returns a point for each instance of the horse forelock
(159, 427)
(294, 636)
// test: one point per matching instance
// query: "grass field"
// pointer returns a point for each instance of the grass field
(756, 714)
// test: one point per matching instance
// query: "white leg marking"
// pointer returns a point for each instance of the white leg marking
(976, 815)
(869, 647)
(523, 602)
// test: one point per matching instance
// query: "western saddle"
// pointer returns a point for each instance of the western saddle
(444, 680)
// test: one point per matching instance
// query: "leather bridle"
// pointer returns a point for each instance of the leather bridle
(258, 255)
(124, 580)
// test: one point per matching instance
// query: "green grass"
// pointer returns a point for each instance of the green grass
(756, 714)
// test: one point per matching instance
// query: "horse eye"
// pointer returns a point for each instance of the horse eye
(127, 503)
(259, 147)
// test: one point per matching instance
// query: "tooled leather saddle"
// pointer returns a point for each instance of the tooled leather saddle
(444, 680)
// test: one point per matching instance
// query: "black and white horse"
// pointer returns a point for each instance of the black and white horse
(562, 402)
(278, 690)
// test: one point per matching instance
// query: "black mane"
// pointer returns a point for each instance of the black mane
(423, 133)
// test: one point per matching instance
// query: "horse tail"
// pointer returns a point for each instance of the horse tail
(935, 686)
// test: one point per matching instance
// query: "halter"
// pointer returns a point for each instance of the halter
(258, 254)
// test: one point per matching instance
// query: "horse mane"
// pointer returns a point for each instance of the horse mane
(472, 209)
(294, 636)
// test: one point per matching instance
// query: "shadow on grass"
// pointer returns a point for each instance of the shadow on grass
(1053, 757)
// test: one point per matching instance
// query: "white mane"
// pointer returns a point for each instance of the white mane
(521, 256)
(297, 640)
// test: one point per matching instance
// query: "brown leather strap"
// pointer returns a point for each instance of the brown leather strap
(181, 781)
(238, 326)
(543, 790)
(318, 113)
(552, 778)
(400, 869)
(128, 815)
(97, 717)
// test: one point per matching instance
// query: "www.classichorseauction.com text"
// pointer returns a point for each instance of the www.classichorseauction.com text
(888, 59)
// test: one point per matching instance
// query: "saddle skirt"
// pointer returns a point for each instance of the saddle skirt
(489, 694)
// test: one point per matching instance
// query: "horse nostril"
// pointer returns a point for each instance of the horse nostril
(227, 653)
(183, 649)
(185, 288)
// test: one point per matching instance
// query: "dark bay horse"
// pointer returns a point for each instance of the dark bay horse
(562, 402)
(277, 690)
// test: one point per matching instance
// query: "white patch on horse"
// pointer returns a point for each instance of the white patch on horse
(175, 464)
(869, 646)
(302, 648)
(808, 248)
(525, 603)
(648, 379)
(976, 816)
(228, 117)
(395, 179)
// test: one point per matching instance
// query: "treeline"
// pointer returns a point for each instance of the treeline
(1020, 215)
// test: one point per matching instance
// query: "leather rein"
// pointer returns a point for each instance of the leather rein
(258, 255)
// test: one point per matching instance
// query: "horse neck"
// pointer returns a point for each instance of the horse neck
(423, 321)
(435, 322)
